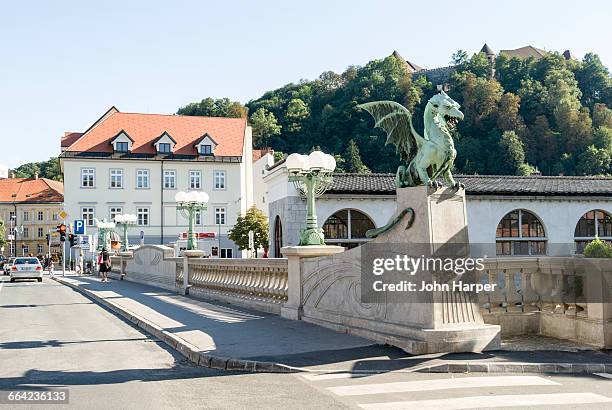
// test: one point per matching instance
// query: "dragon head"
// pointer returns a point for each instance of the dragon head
(447, 108)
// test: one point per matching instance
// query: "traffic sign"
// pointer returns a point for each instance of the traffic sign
(79, 227)
(63, 214)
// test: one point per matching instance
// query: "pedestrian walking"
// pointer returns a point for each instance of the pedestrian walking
(104, 264)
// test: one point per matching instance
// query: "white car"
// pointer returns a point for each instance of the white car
(7, 266)
(26, 268)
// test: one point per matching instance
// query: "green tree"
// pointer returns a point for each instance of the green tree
(459, 57)
(264, 126)
(593, 161)
(297, 111)
(46, 169)
(209, 107)
(511, 159)
(254, 220)
(352, 159)
(2, 234)
(478, 64)
(602, 138)
(593, 78)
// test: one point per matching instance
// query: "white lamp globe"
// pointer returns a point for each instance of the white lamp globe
(202, 197)
(119, 219)
(131, 218)
(192, 196)
(295, 162)
(331, 163)
(180, 197)
(317, 160)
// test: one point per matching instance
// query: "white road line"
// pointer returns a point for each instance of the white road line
(333, 376)
(1, 283)
(441, 384)
(477, 402)
(604, 375)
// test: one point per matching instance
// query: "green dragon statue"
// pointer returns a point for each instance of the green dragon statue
(426, 157)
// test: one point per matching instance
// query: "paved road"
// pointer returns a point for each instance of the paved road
(51, 336)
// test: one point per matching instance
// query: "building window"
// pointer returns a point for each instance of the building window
(41, 216)
(87, 177)
(88, 215)
(205, 149)
(220, 216)
(142, 179)
(54, 216)
(347, 228)
(122, 146)
(596, 223)
(195, 180)
(114, 211)
(26, 216)
(25, 249)
(198, 217)
(169, 179)
(41, 232)
(26, 232)
(143, 216)
(278, 237)
(219, 179)
(116, 178)
(520, 233)
(11, 215)
(227, 253)
(163, 148)
(12, 248)
(39, 249)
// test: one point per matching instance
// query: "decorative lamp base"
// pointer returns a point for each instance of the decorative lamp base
(194, 253)
(312, 236)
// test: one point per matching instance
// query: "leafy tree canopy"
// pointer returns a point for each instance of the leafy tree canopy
(46, 169)
(254, 220)
(210, 107)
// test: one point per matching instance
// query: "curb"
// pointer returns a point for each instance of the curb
(189, 351)
(514, 367)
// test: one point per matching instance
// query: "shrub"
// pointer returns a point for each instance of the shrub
(598, 249)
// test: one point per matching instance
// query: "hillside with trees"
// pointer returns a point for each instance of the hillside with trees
(521, 115)
(46, 169)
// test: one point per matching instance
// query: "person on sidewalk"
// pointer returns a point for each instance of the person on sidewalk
(104, 264)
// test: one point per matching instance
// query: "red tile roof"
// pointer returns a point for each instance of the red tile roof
(39, 190)
(144, 129)
(258, 153)
(70, 138)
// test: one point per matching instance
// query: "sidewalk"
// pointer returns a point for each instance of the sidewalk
(234, 338)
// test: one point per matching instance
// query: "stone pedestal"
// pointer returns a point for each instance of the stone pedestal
(193, 253)
(331, 287)
(292, 309)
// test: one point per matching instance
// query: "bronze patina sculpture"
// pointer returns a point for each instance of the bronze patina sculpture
(426, 157)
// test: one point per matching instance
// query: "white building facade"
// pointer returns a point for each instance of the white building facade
(129, 163)
(507, 215)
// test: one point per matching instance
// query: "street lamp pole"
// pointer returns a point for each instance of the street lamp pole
(125, 220)
(311, 176)
(189, 203)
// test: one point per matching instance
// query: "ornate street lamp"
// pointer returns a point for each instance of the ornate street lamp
(125, 220)
(104, 233)
(189, 203)
(311, 176)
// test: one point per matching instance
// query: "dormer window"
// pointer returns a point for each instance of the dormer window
(164, 144)
(205, 145)
(164, 148)
(122, 142)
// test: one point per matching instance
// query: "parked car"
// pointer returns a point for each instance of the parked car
(2, 261)
(7, 266)
(26, 268)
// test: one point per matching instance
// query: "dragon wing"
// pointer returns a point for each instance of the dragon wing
(396, 120)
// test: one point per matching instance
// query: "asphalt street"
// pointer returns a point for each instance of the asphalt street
(53, 337)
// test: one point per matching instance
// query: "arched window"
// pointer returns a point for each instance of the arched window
(347, 228)
(596, 223)
(278, 237)
(520, 233)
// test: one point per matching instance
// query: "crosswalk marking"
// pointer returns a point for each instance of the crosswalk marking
(472, 402)
(332, 376)
(604, 375)
(441, 384)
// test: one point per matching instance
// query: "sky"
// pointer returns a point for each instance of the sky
(64, 63)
